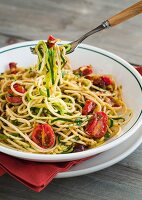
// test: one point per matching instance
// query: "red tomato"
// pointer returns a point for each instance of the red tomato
(107, 80)
(86, 70)
(98, 81)
(102, 81)
(91, 78)
(97, 126)
(11, 98)
(13, 67)
(89, 107)
(43, 135)
(19, 88)
(51, 38)
(51, 41)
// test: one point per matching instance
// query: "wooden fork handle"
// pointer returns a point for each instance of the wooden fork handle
(126, 14)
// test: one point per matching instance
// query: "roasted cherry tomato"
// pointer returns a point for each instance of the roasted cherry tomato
(86, 70)
(51, 41)
(88, 107)
(98, 81)
(102, 81)
(43, 135)
(19, 88)
(13, 67)
(11, 98)
(97, 126)
(107, 80)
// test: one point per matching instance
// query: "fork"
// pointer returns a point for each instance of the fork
(122, 16)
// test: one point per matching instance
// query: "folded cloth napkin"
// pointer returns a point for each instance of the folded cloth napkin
(36, 175)
(2, 172)
(139, 68)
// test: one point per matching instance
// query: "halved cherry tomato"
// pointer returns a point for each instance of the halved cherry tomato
(97, 126)
(88, 107)
(51, 41)
(102, 81)
(51, 38)
(14, 100)
(11, 98)
(86, 70)
(19, 88)
(13, 67)
(107, 80)
(98, 81)
(43, 135)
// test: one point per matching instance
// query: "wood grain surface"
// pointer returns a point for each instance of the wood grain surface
(22, 20)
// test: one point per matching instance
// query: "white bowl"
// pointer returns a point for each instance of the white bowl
(104, 62)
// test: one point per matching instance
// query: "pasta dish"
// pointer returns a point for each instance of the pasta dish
(50, 108)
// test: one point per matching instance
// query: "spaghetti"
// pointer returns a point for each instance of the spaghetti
(50, 108)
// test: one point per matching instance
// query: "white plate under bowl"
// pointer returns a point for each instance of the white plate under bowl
(103, 62)
(105, 159)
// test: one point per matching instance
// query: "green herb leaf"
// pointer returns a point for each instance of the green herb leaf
(29, 118)
(107, 136)
(60, 138)
(82, 105)
(76, 138)
(78, 121)
(16, 122)
(59, 83)
(48, 93)
(15, 134)
(35, 110)
(69, 149)
(3, 137)
(119, 118)
(110, 123)
(62, 119)
(28, 97)
(39, 67)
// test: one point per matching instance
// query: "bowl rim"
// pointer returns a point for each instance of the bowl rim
(89, 152)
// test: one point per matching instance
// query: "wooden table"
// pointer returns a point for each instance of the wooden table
(33, 19)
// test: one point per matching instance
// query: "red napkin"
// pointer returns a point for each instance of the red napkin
(139, 69)
(35, 175)
(2, 172)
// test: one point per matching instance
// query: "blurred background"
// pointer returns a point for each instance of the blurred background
(22, 20)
